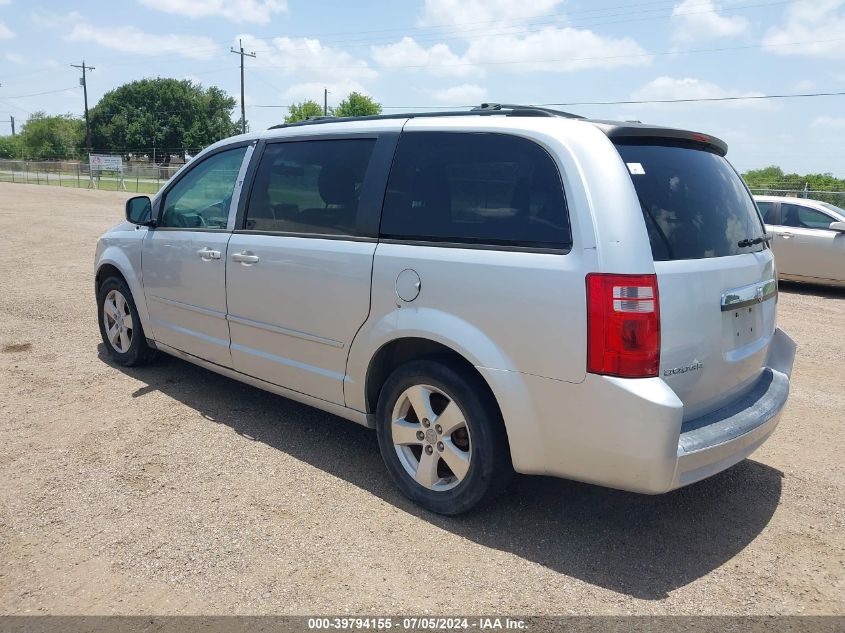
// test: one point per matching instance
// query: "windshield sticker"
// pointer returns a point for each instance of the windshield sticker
(636, 169)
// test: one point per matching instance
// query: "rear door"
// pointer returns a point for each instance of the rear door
(805, 246)
(717, 288)
(184, 257)
(300, 262)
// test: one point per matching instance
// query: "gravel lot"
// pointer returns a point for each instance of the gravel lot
(169, 489)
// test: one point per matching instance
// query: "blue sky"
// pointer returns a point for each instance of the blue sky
(427, 53)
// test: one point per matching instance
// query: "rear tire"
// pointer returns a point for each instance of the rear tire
(442, 437)
(120, 326)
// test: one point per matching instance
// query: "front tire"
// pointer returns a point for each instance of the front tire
(120, 326)
(442, 437)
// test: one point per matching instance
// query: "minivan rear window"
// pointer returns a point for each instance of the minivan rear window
(695, 205)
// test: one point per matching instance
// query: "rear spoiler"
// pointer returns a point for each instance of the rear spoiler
(632, 132)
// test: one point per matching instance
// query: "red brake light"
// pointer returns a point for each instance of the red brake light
(623, 325)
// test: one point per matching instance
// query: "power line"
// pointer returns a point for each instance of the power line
(544, 18)
(462, 34)
(36, 94)
(625, 102)
(701, 99)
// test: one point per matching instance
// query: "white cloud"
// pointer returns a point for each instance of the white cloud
(314, 91)
(5, 32)
(132, 40)
(829, 122)
(15, 58)
(439, 60)
(696, 20)
(473, 15)
(669, 88)
(814, 23)
(486, 28)
(308, 56)
(257, 11)
(557, 49)
(465, 94)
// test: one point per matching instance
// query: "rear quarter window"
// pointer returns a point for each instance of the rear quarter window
(475, 188)
(694, 204)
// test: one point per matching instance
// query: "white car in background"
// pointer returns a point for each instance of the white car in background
(809, 238)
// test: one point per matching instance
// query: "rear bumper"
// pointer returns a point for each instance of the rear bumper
(630, 434)
(714, 442)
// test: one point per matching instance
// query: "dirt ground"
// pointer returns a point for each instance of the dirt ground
(169, 489)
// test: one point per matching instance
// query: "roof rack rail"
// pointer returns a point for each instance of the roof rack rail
(485, 109)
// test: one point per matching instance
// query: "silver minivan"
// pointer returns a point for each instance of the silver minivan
(503, 289)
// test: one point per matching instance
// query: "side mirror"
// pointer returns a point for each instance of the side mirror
(837, 226)
(139, 210)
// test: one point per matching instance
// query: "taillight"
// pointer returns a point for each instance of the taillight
(623, 325)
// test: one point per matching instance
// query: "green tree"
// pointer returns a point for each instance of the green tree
(168, 114)
(46, 137)
(357, 104)
(303, 110)
(9, 146)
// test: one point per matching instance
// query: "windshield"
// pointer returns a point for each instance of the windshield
(834, 208)
(695, 205)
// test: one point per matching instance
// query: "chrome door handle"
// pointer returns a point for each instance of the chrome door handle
(207, 254)
(786, 235)
(245, 258)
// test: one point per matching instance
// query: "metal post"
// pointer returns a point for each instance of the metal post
(78, 183)
(26, 172)
(325, 102)
(243, 107)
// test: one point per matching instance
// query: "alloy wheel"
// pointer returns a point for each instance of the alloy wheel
(117, 318)
(431, 437)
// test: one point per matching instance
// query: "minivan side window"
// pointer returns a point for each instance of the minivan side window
(803, 217)
(475, 188)
(200, 199)
(309, 187)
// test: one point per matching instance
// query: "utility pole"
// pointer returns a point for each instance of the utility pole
(325, 102)
(84, 83)
(11, 120)
(242, 54)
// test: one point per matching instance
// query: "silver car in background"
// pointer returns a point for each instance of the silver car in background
(503, 289)
(809, 238)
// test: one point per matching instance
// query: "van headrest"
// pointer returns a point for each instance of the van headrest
(337, 184)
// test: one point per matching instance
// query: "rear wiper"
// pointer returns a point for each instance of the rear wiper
(766, 237)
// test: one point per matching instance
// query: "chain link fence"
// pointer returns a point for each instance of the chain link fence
(836, 198)
(145, 177)
(136, 177)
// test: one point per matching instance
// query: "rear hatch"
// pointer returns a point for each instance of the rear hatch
(715, 275)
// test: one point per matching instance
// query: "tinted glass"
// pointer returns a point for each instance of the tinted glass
(833, 207)
(201, 197)
(766, 211)
(475, 188)
(803, 217)
(694, 203)
(309, 187)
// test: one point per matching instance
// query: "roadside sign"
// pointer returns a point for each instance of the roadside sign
(103, 162)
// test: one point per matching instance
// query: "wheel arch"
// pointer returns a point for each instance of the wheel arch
(114, 263)
(402, 350)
